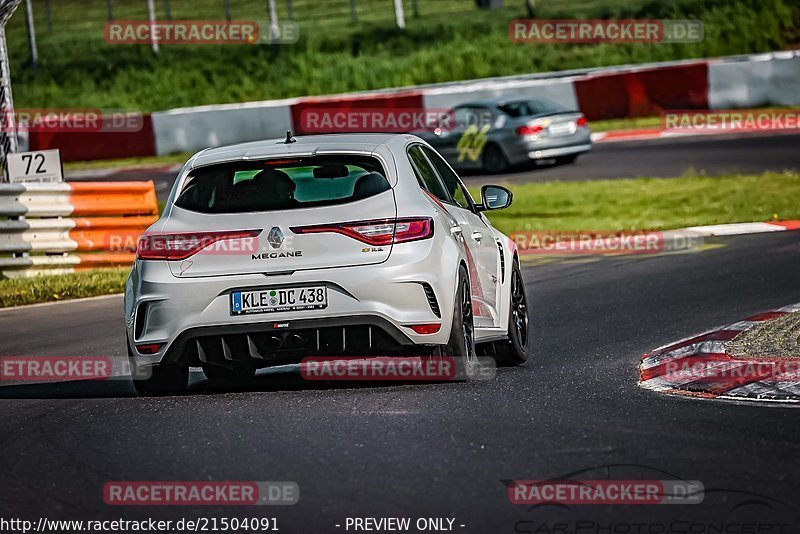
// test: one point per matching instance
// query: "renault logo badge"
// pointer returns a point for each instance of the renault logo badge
(275, 237)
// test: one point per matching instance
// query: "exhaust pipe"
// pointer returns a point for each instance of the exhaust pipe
(295, 341)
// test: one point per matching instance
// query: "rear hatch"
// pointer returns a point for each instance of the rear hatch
(281, 215)
(541, 118)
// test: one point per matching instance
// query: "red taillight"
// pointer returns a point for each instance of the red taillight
(151, 348)
(376, 232)
(181, 246)
(426, 328)
(529, 129)
(582, 122)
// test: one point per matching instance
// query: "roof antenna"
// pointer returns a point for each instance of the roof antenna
(289, 138)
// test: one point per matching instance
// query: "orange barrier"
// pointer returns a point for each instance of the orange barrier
(114, 234)
(113, 198)
(110, 218)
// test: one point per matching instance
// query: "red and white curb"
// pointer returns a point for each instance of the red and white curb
(732, 229)
(701, 366)
(649, 134)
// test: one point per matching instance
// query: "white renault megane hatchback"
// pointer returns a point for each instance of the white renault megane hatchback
(336, 245)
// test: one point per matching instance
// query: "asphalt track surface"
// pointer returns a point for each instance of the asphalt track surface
(666, 158)
(436, 450)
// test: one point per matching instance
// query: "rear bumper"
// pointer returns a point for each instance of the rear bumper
(372, 307)
(274, 343)
(561, 151)
(524, 149)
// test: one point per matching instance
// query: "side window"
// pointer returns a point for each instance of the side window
(460, 118)
(478, 117)
(426, 176)
(450, 179)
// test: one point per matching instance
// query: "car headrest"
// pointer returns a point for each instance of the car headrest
(275, 184)
(369, 185)
(331, 171)
(268, 190)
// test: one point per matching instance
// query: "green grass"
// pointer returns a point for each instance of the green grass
(16, 292)
(129, 162)
(625, 124)
(650, 203)
(450, 40)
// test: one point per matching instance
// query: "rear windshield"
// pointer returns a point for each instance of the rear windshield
(526, 108)
(282, 184)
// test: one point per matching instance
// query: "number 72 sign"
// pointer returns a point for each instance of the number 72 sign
(39, 166)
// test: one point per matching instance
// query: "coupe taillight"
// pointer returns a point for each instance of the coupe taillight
(582, 122)
(182, 245)
(376, 232)
(529, 129)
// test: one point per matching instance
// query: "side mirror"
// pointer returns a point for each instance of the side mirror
(494, 197)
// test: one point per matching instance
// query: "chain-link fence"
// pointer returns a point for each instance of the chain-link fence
(87, 17)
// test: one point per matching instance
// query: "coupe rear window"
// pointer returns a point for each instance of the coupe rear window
(526, 108)
(282, 184)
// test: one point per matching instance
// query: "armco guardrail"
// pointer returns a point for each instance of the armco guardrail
(101, 221)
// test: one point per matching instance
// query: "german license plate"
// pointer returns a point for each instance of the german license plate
(564, 128)
(278, 300)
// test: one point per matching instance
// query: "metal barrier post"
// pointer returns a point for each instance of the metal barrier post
(8, 127)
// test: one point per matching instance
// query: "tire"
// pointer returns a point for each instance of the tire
(158, 379)
(563, 160)
(461, 344)
(493, 159)
(514, 350)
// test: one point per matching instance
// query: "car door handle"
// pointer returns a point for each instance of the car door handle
(455, 230)
(477, 236)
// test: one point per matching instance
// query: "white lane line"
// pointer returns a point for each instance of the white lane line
(65, 301)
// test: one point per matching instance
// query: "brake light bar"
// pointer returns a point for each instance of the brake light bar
(179, 246)
(281, 161)
(377, 231)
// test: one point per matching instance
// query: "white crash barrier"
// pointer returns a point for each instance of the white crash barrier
(755, 81)
(192, 129)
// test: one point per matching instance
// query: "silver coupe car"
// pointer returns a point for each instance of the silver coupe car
(494, 134)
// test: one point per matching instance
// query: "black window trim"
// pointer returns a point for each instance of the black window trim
(433, 168)
(442, 182)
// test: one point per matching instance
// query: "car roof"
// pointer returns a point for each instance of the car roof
(482, 103)
(304, 144)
